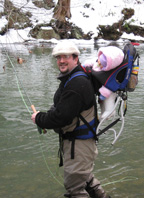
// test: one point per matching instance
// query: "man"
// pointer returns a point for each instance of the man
(74, 102)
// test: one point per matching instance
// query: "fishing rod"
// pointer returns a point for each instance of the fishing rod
(40, 130)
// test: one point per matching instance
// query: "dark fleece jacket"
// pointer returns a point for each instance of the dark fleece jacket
(69, 102)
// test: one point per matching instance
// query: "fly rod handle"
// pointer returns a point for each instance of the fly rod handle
(33, 108)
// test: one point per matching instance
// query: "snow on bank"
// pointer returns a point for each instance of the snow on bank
(105, 13)
(88, 18)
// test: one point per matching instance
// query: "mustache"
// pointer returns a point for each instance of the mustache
(63, 64)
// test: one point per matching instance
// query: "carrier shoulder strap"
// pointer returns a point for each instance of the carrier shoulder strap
(79, 73)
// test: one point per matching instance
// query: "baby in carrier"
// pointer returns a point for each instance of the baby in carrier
(109, 58)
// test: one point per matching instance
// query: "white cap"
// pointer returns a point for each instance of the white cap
(65, 48)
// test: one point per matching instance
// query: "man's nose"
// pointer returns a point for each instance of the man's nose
(62, 59)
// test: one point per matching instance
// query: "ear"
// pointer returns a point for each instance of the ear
(76, 59)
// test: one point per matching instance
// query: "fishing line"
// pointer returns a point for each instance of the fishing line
(19, 85)
(48, 167)
(124, 179)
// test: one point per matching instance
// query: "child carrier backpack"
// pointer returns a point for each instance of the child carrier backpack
(122, 78)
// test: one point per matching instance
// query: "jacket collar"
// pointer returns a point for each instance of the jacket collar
(64, 77)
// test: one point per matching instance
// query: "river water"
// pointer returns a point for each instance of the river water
(29, 161)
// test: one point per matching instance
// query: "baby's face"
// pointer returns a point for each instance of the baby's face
(100, 63)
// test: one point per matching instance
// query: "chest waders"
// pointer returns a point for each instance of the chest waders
(81, 132)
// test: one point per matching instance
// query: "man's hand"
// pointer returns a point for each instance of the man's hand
(34, 116)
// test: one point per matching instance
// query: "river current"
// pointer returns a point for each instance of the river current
(29, 161)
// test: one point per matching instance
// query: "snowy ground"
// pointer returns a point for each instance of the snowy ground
(104, 12)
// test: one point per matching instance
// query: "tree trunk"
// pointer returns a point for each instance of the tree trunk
(62, 10)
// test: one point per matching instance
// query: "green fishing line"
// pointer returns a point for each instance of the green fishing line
(124, 179)
(22, 97)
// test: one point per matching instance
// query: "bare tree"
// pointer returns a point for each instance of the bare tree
(62, 10)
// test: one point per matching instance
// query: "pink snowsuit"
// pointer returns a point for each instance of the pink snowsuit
(114, 56)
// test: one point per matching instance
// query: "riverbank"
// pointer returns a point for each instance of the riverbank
(87, 18)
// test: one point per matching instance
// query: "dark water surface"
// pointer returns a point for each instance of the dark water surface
(28, 161)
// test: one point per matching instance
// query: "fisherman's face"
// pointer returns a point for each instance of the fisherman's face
(66, 63)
